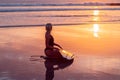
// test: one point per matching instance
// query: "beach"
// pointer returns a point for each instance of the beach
(91, 31)
(96, 52)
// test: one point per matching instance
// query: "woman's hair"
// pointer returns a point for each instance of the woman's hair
(48, 26)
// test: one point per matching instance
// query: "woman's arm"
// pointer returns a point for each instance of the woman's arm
(58, 45)
(47, 36)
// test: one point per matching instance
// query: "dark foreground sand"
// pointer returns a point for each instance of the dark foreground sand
(96, 55)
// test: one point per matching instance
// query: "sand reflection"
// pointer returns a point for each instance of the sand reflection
(95, 30)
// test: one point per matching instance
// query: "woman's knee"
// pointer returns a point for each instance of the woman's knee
(48, 52)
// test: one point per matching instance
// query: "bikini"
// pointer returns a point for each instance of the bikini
(51, 43)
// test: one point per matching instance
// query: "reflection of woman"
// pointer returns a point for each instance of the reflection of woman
(51, 50)
(50, 67)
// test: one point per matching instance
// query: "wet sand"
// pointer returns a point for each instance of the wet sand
(96, 53)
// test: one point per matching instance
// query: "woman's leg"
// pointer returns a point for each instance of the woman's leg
(53, 53)
(57, 53)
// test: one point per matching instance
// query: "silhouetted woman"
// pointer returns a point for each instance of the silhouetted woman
(51, 50)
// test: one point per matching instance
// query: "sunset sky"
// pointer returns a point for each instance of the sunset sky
(58, 1)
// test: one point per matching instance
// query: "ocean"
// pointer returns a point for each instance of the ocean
(17, 15)
(90, 32)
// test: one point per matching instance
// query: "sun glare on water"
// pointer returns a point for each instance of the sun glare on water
(95, 25)
(95, 30)
(96, 12)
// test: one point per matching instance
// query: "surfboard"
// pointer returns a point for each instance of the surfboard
(44, 57)
(66, 54)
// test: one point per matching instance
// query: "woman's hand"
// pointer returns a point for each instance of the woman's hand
(55, 49)
(58, 45)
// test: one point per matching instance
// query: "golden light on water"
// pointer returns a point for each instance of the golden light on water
(95, 18)
(96, 35)
(96, 12)
(95, 30)
(95, 27)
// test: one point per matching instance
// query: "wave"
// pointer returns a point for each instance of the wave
(72, 16)
(34, 25)
(62, 24)
(54, 9)
(63, 16)
(67, 4)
